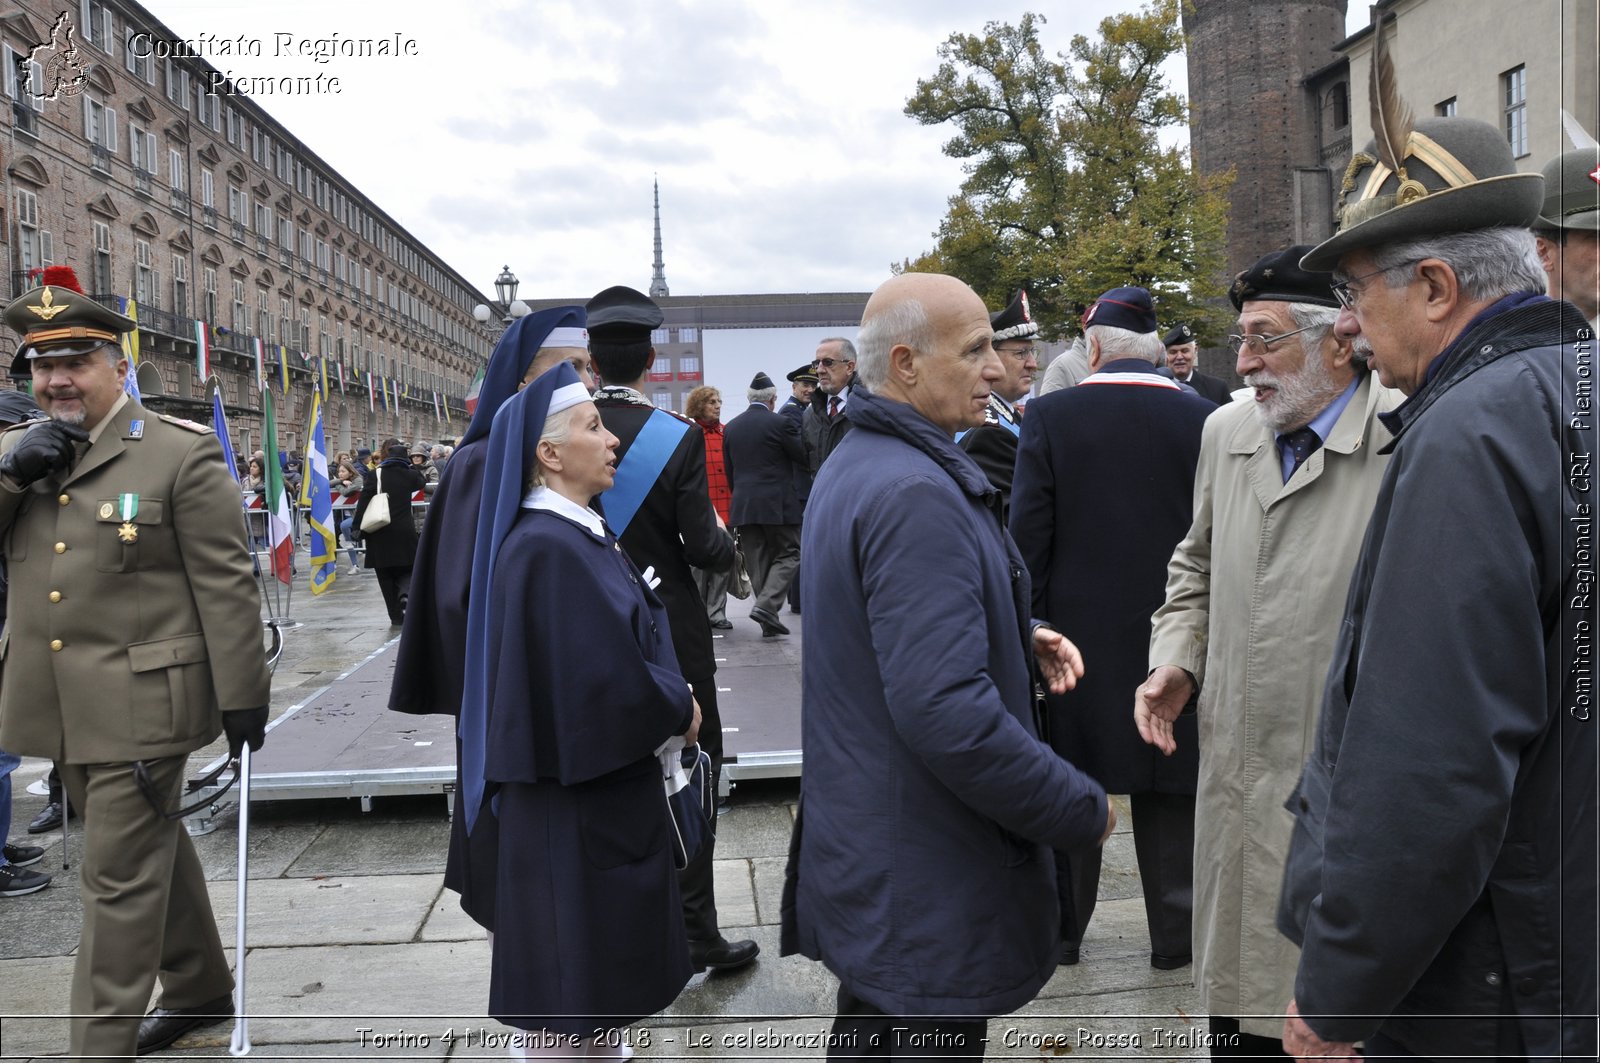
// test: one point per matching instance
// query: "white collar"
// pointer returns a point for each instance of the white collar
(542, 497)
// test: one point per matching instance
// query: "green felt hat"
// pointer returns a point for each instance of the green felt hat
(1572, 191)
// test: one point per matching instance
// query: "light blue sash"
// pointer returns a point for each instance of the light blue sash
(639, 468)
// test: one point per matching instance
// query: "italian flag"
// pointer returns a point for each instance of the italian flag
(473, 391)
(279, 534)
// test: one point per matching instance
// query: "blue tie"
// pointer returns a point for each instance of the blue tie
(1299, 444)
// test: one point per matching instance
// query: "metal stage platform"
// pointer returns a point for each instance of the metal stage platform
(343, 741)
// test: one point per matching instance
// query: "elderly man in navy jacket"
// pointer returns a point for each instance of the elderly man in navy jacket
(920, 869)
(762, 453)
(1103, 493)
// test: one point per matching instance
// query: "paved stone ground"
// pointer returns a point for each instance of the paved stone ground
(356, 949)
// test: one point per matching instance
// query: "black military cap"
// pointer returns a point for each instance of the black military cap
(806, 374)
(761, 382)
(16, 407)
(1278, 278)
(622, 315)
(1014, 322)
(57, 318)
(1179, 335)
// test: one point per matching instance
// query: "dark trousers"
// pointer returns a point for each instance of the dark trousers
(695, 881)
(395, 583)
(861, 1031)
(1163, 841)
(1228, 1040)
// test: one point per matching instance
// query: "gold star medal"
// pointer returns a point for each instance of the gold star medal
(129, 532)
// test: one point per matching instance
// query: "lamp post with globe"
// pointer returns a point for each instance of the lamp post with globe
(507, 306)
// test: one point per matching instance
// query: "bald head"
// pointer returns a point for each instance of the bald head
(926, 341)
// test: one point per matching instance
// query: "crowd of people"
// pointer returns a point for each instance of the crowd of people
(1331, 634)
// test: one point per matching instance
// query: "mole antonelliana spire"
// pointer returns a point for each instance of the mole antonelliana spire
(658, 275)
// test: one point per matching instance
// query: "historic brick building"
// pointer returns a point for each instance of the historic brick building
(198, 207)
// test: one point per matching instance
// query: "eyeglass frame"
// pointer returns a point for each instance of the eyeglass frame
(1348, 298)
(1237, 342)
(829, 363)
(1030, 351)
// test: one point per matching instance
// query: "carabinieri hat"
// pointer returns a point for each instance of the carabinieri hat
(806, 374)
(1415, 179)
(1278, 278)
(57, 318)
(622, 315)
(1125, 308)
(1572, 192)
(1014, 322)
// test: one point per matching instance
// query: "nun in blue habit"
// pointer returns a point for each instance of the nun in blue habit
(571, 688)
(433, 642)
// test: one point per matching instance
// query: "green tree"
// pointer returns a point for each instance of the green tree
(1068, 190)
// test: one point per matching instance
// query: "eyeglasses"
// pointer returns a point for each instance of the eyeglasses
(829, 363)
(1348, 296)
(1259, 344)
(1021, 354)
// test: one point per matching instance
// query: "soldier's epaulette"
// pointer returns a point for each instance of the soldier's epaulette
(681, 417)
(25, 425)
(193, 426)
(990, 417)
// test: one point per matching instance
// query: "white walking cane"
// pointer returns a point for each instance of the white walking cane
(240, 1045)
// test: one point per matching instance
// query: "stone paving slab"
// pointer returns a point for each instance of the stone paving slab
(371, 845)
(336, 911)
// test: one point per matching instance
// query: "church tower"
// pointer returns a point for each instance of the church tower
(1269, 97)
(658, 275)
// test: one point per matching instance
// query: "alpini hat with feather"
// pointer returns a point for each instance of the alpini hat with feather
(1424, 178)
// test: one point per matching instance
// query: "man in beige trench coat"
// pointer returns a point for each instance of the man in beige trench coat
(134, 623)
(1283, 491)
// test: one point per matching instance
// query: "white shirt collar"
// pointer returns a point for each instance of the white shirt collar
(542, 497)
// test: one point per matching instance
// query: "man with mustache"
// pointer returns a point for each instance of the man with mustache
(1261, 576)
(1182, 350)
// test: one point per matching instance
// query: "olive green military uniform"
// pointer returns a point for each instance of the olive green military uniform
(134, 622)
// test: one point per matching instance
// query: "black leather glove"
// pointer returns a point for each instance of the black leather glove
(245, 725)
(43, 450)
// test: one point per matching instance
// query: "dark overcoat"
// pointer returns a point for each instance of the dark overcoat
(993, 445)
(795, 410)
(761, 451)
(1104, 491)
(1443, 858)
(588, 923)
(675, 529)
(919, 870)
(1210, 387)
(394, 546)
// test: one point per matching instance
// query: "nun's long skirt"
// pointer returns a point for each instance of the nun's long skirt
(588, 924)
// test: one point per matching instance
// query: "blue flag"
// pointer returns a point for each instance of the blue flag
(317, 497)
(219, 421)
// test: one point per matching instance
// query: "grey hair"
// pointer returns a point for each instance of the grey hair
(763, 395)
(1125, 343)
(905, 322)
(557, 430)
(1488, 263)
(847, 350)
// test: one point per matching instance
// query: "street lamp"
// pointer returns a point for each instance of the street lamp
(505, 290)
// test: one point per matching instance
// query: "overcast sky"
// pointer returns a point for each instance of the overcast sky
(527, 133)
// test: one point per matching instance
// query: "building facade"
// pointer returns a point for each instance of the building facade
(192, 209)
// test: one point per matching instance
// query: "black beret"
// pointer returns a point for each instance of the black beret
(16, 407)
(1014, 322)
(1278, 278)
(622, 315)
(1180, 334)
(806, 374)
(761, 382)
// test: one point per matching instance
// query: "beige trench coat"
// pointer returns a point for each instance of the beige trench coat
(1255, 593)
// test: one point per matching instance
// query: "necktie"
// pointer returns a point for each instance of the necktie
(1299, 444)
(833, 406)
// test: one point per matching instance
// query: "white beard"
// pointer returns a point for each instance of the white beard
(1300, 396)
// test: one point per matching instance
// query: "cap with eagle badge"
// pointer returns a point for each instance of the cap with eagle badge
(57, 319)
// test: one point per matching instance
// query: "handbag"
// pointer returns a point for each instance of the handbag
(690, 803)
(376, 518)
(739, 585)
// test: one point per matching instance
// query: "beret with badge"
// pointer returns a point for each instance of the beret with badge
(1424, 178)
(58, 319)
(1179, 335)
(1278, 278)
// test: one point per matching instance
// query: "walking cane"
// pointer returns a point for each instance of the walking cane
(240, 1045)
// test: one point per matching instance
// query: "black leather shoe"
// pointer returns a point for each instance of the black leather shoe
(1170, 963)
(722, 625)
(770, 624)
(722, 954)
(49, 819)
(163, 1026)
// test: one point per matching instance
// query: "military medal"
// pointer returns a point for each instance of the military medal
(129, 532)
